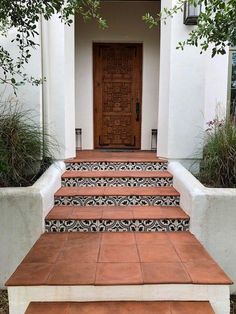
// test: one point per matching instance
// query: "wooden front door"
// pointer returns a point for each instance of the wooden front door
(117, 95)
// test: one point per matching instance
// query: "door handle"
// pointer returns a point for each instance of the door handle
(137, 111)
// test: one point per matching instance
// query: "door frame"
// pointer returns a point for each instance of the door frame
(95, 44)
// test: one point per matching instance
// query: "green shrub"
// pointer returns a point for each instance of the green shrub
(25, 150)
(218, 166)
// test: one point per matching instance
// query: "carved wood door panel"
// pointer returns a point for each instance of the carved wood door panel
(117, 95)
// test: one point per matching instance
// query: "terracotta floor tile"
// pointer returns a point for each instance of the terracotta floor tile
(157, 253)
(72, 273)
(191, 308)
(96, 155)
(51, 308)
(116, 174)
(118, 238)
(182, 237)
(164, 191)
(117, 214)
(43, 254)
(145, 307)
(118, 273)
(157, 212)
(29, 274)
(43, 245)
(60, 212)
(120, 307)
(164, 273)
(52, 238)
(93, 307)
(192, 252)
(202, 272)
(83, 239)
(118, 253)
(151, 238)
(77, 191)
(86, 213)
(87, 191)
(80, 254)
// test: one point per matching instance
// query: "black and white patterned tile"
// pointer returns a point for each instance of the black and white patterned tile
(117, 166)
(122, 182)
(131, 200)
(134, 225)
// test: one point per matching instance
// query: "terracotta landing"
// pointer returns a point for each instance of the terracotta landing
(117, 259)
(132, 156)
(161, 307)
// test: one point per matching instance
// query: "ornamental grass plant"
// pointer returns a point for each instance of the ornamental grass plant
(218, 166)
(25, 149)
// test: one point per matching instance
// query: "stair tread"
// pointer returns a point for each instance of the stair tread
(116, 191)
(124, 307)
(116, 212)
(116, 174)
(117, 259)
(138, 156)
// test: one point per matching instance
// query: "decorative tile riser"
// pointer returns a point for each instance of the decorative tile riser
(116, 166)
(122, 182)
(134, 225)
(118, 200)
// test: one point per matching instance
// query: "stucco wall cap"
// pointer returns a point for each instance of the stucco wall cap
(193, 185)
(50, 174)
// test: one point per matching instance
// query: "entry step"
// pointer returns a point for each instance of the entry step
(116, 218)
(117, 178)
(116, 191)
(117, 196)
(125, 307)
(113, 258)
(116, 212)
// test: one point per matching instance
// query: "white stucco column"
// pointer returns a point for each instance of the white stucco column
(59, 88)
(181, 100)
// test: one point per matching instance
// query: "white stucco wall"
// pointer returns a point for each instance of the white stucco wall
(181, 99)
(22, 212)
(193, 90)
(125, 25)
(58, 90)
(27, 95)
(216, 86)
(212, 217)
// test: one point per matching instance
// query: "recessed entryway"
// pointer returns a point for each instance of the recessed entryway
(125, 26)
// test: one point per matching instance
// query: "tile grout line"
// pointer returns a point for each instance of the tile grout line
(98, 256)
(57, 259)
(182, 263)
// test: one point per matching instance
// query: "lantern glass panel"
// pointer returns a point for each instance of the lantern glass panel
(191, 13)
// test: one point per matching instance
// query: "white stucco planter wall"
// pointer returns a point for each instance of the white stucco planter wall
(212, 214)
(22, 212)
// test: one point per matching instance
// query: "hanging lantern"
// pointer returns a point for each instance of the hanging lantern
(191, 13)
